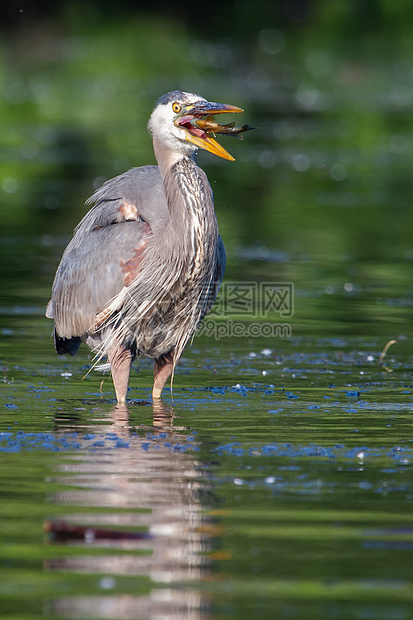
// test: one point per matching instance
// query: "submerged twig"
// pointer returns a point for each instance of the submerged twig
(383, 353)
(61, 531)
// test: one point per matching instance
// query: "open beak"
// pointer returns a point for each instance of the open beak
(201, 135)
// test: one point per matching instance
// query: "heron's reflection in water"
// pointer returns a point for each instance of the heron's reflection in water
(158, 490)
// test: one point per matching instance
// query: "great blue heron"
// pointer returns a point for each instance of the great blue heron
(145, 263)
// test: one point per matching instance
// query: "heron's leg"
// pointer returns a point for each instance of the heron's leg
(120, 360)
(162, 371)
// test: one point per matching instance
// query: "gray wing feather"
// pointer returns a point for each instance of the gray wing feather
(90, 275)
(141, 187)
(92, 271)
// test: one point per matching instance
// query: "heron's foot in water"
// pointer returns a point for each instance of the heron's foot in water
(164, 366)
(120, 363)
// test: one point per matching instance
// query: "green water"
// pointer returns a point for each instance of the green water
(276, 481)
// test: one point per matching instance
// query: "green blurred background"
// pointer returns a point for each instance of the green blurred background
(320, 195)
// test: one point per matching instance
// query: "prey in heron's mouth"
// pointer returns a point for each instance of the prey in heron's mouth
(201, 127)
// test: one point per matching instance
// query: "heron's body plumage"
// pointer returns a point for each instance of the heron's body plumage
(144, 265)
(181, 252)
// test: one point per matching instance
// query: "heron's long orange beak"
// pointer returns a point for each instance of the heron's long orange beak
(202, 138)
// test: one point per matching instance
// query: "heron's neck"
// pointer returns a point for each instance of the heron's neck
(189, 196)
(167, 158)
(192, 225)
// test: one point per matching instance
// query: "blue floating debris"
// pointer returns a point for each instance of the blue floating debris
(289, 468)
(366, 486)
(269, 450)
(291, 395)
(240, 389)
(354, 452)
(49, 446)
(231, 448)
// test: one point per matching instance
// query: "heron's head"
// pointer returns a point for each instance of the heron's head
(183, 122)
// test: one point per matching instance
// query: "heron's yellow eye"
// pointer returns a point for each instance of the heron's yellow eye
(176, 107)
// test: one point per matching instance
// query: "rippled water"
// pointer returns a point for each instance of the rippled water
(277, 483)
